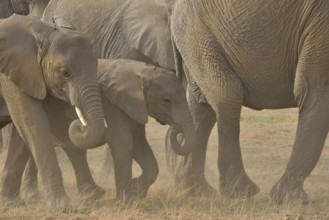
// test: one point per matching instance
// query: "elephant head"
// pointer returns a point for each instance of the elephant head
(22, 7)
(40, 60)
(140, 90)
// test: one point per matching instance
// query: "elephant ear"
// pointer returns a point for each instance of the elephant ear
(148, 33)
(121, 84)
(19, 54)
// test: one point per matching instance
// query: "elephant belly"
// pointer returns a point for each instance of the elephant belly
(270, 97)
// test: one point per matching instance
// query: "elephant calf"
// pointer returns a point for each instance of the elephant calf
(131, 91)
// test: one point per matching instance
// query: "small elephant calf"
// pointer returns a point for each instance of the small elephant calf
(131, 91)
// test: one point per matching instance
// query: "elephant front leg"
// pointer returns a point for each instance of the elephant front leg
(15, 163)
(87, 187)
(30, 190)
(32, 124)
(144, 156)
(120, 141)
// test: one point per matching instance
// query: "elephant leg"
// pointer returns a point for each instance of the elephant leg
(122, 153)
(11, 177)
(312, 130)
(86, 185)
(32, 124)
(30, 181)
(119, 136)
(144, 156)
(224, 92)
(107, 166)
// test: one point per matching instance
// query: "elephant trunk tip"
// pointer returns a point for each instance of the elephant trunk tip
(177, 142)
(84, 136)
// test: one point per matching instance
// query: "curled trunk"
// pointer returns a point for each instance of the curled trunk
(185, 147)
(87, 131)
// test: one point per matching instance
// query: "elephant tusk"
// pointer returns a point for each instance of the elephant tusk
(82, 120)
(105, 124)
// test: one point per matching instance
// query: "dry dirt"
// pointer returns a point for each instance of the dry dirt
(266, 138)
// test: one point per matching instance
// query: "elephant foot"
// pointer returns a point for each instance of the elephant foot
(12, 202)
(91, 192)
(196, 187)
(139, 188)
(200, 188)
(283, 191)
(61, 204)
(240, 186)
(31, 195)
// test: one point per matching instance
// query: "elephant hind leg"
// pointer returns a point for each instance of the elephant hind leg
(312, 94)
(312, 130)
(144, 156)
(87, 187)
(15, 163)
(224, 92)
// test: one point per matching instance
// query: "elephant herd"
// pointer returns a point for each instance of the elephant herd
(81, 73)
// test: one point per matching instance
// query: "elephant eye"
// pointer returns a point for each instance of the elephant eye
(65, 73)
(167, 100)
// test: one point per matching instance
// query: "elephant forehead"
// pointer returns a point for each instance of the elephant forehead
(69, 41)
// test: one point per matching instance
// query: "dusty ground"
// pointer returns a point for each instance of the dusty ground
(266, 139)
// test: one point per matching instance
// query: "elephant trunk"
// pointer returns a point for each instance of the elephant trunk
(6, 9)
(87, 131)
(189, 134)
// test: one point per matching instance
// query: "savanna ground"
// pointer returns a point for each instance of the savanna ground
(266, 138)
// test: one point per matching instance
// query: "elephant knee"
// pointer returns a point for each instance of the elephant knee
(153, 173)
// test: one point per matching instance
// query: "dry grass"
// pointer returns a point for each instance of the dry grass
(267, 139)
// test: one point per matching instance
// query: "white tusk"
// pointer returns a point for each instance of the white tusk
(79, 113)
(105, 124)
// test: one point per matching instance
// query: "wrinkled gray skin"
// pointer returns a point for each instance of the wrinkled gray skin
(138, 35)
(122, 29)
(163, 99)
(264, 55)
(86, 185)
(54, 62)
(22, 7)
(131, 91)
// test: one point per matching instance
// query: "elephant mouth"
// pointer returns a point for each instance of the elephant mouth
(161, 122)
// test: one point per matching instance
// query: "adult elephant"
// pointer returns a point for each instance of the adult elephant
(54, 62)
(264, 55)
(120, 28)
